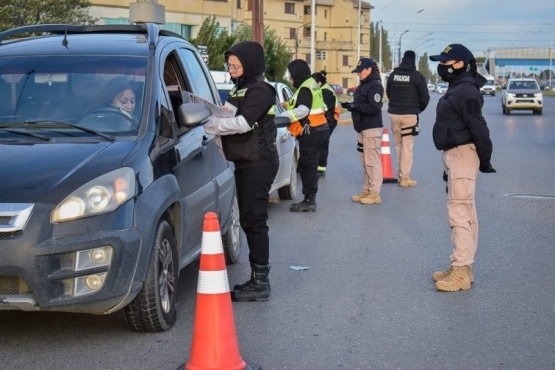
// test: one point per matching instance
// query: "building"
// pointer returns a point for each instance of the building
(340, 33)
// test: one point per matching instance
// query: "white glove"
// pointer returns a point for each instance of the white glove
(226, 126)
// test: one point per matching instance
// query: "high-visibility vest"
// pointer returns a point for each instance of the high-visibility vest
(316, 116)
(337, 109)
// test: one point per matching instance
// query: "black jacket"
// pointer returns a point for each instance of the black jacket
(366, 110)
(258, 146)
(407, 89)
(459, 117)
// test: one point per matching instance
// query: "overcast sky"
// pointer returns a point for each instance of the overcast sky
(479, 25)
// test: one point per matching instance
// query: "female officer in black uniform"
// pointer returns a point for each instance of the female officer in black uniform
(249, 140)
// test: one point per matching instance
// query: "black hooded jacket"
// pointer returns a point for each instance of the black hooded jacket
(459, 119)
(367, 104)
(300, 72)
(254, 99)
(407, 89)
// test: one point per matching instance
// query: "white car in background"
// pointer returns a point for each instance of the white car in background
(441, 88)
(285, 182)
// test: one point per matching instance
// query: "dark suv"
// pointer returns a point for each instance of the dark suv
(101, 207)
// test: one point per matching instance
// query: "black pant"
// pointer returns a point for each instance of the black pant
(324, 150)
(253, 186)
(309, 155)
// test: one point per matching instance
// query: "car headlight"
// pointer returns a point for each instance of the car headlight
(101, 195)
(538, 95)
(511, 95)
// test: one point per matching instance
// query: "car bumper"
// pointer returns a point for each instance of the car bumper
(488, 92)
(43, 270)
(527, 103)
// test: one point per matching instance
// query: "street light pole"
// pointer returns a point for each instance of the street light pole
(399, 55)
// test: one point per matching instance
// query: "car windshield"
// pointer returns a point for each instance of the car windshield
(523, 85)
(71, 95)
(490, 83)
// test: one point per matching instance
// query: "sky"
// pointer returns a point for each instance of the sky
(481, 26)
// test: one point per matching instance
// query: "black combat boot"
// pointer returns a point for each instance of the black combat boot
(307, 205)
(257, 288)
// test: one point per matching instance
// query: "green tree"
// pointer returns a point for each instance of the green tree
(276, 52)
(28, 12)
(424, 68)
(216, 40)
(375, 47)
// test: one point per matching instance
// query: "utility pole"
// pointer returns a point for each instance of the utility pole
(258, 21)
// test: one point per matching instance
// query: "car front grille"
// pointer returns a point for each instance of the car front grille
(13, 285)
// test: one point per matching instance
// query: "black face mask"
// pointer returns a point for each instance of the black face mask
(447, 72)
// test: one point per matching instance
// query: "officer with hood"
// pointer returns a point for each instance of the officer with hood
(408, 95)
(306, 110)
(462, 133)
(249, 141)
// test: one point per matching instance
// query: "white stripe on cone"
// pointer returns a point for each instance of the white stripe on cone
(211, 243)
(213, 282)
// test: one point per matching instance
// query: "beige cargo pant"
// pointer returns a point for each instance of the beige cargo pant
(371, 159)
(403, 144)
(461, 167)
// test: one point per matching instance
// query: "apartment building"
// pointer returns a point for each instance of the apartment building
(341, 31)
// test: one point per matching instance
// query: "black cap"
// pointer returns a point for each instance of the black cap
(454, 52)
(364, 63)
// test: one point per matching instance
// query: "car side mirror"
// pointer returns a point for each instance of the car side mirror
(282, 121)
(192, 115)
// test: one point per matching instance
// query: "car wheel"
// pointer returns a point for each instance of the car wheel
(504, 109)
(155, 307)
(231, 240)
(290, 191)
(350, 93)
(538, 111)
(493, 94)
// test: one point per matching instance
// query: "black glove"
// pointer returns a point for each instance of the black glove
(352, 107)
(346, 105)
(487, 168)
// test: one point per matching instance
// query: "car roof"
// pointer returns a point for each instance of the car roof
(65, 39)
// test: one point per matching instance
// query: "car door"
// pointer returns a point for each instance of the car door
(193, 162)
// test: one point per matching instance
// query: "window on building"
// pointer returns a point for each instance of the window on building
(307, 58)
(321, 55)
(345, 59)
(325, 14)
(306, 32)
(345, 82)
(325, 36)
(239, 4)
(308, 10)
(289, 8)
(292, 33)
(115, 20)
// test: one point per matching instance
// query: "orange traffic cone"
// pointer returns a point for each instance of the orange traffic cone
(387, 167)
(214, 344)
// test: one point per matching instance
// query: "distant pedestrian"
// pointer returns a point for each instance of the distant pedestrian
(407, 91)
(306, 110)
(333, 109)
(462, 133)
(366, 113)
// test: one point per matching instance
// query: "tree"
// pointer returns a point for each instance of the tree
(276, 53)
(216, 40)
(424, 67)
(29, 12)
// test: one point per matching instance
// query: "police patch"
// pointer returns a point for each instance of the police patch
(377, 98)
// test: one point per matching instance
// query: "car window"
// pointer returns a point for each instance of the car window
(67, 89)
(198, 76)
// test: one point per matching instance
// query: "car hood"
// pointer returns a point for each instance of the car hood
(47, 173)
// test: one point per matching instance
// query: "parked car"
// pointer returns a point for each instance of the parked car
(441, 88)
(101, 207)
(337, 88)
(522, 94)
(431, 87)
(285, 182)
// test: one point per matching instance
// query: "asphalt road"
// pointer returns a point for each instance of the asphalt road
(366, 299)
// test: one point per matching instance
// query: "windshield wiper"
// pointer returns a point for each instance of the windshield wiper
(26, 133)
(89, 130)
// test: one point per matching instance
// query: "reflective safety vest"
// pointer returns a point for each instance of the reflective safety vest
(337, 109)
(317, 115)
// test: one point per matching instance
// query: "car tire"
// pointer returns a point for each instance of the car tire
(154, 309)
(232, 238)
(350, 93)
(538, 112)
(289, 192)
